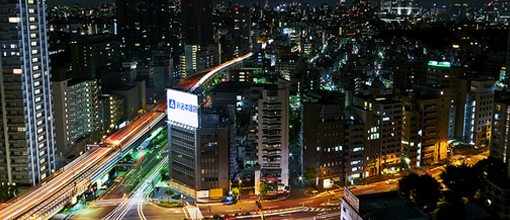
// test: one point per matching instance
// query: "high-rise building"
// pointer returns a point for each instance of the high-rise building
(425, 130)
(354, 147)
(94, 55)
(197, 25)
(112, 112)
(144, 25)
(382, 117)
(27, 152)
(272, 118)
(401, 8)
(500, 147)
(77, 121)
(199, 156)
(475, 112)
(197, 58)
(323, 140)
(241, 30)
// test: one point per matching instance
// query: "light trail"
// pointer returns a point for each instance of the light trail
(218, 69)
(102, 156)
(138, 197)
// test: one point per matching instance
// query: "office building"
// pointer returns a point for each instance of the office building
(382, 117)
(475, 111)
(27, 151)
(199, 164)
(354, 147)
(425, 130)
(323, 140)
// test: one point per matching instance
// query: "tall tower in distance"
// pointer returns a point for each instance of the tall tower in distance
(197, 22)
(27, 154)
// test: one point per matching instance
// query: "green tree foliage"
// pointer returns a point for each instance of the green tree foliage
(309, 175)
(264, 188)
(423, 191)
(235, 192)
(164, 172)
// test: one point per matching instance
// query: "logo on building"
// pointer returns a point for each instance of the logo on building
(173, 104)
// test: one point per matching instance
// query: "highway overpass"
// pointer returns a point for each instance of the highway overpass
(48, 198)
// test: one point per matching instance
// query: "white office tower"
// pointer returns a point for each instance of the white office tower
(27, 154)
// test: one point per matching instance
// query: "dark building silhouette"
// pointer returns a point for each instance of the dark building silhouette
(197, 21)
(144, 25)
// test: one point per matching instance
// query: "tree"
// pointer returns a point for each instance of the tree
(462, 180)
(423, 191)
(235, 192)
(264, 187)
(128, 157)
(309, 175)
(164, 172)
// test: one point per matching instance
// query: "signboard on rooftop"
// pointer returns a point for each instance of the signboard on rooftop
(182, 107)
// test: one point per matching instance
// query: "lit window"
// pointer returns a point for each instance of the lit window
(35, 67)
(35, 60)
(31, 10)
(33, 35)
(14, 19)
(35, 51)
(37, 83)
(33, 27)
(31, 19)
(17, 71)
(33, 43)
(37, 75)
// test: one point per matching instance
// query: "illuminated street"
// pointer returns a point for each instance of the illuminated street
(254, 109)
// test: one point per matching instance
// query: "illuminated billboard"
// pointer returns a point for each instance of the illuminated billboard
(182, 107)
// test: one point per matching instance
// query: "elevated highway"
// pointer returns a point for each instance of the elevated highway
(48, 198)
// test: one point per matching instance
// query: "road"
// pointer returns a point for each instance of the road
(138, 198)
(100, 157)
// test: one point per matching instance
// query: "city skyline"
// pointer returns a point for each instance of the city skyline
(146, 109)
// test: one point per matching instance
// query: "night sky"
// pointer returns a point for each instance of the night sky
(92, 3)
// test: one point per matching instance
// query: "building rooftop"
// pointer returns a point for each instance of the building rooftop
(388, 206)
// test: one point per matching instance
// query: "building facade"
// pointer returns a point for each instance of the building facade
(199, 157)
(27, 123)
(77, 118)
(323, 140)
(272, 119)
(382, 117)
